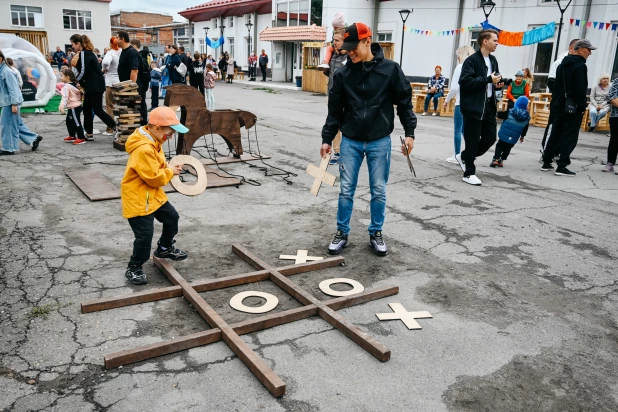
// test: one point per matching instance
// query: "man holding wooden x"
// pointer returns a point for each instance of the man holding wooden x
(360, 104)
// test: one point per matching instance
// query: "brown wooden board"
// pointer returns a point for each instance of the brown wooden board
(230, 334)
(98, 187)
(94, 185)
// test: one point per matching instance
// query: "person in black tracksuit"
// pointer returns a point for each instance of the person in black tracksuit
(90, 78)
(479, 81)
(571, 82)
(263, 63)
(196, 73)
(361, 104)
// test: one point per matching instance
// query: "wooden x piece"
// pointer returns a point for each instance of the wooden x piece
(321, 176)
(361, 338)
(300, 257)
(408, 318)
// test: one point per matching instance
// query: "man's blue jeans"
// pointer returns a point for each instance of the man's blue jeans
(14, 130)
(435, 98)
(458, 119)
(378, 153)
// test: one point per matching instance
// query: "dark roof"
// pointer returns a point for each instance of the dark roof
(226, 8)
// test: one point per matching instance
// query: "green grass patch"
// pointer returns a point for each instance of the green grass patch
(267, 90)
(44, 310)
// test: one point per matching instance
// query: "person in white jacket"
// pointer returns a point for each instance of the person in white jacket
(110, 69)
(454, 93)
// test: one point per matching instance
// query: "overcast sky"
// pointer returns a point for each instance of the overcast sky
(157, 6)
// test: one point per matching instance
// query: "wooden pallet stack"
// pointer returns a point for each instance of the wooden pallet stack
(127, 102)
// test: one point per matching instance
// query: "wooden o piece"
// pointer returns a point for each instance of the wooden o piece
(356, 287)
(202, 178)
(271, 302)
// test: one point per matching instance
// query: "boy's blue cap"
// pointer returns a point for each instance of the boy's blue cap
(522, 103)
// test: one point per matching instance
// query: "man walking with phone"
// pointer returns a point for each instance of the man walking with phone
(479, 80)
(361, 104)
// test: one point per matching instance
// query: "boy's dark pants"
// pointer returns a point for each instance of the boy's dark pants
(503, 149)
(154, 102)
(143, 229)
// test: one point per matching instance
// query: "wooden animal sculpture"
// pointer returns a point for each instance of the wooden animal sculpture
(226, 123)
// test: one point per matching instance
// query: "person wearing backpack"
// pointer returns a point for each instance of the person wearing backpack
(143, 76)
(174, 67)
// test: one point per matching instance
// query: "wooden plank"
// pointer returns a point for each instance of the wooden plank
(256, 365)
(204, 286)
(193, 340)
(93, 184)
(375, 348)
(230, 159)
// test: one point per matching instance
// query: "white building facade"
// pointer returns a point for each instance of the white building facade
(230, 19)
(59, 19)
(422, 53)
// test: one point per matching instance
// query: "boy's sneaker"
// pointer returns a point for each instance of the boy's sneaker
(472, 180)
(563, 171)
(170, 252)
(460, 162)
(494, 163)
(609, 167)
(334, 160)
(89, 138)
(547, 167)
(377, 243)
(452, 159)
(70, 139)
(500, 163)
(35, 144)
(106, 133)
(136, 275)
(79, 141)
(338, 243)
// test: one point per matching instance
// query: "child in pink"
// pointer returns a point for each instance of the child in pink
(338, 23)
(71, 104)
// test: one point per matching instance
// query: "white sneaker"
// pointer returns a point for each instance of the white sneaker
(107, 134)
(461, 163)
(424, 114)
(96, 131)
(36, 110)
(452, 160)
(434, 114)
(472, 180)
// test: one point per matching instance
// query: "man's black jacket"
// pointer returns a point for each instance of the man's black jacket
(360, 103)
(473, 82)
(573, 73)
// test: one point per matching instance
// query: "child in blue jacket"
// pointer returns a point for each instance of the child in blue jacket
(155, 83)
(514, 128)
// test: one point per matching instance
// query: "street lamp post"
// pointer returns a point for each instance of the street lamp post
(487, 4)
(405, 13)
(562, 10)
(249, 25)
(206, 39)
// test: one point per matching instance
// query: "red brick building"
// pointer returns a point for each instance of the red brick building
(149, 36)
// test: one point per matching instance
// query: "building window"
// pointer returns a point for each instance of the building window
(473, 37)
(231, 44)
(385, 37)
(202, 49)
(216, 23)
(232, 21)
(26, 16)
(77, 19)
(180, 32)
(282, 14)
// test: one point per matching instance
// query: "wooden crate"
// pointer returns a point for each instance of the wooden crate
(449, 110)
(314, 81)
(602, 125)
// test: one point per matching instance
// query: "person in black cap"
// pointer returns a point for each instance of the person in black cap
(360, 104)
(569, 91)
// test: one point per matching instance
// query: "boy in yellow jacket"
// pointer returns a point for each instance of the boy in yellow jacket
(143, 198)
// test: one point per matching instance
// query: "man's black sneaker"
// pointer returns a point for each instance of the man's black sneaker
(136, 275)
(35, 144)
(378, 245)
(338, 243)
(547, 167)
(170, 252)
(89, 138)
(563, 171)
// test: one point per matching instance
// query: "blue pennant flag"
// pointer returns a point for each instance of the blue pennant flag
(215, 44)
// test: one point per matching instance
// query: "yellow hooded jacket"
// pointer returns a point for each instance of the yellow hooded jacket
(145, 175)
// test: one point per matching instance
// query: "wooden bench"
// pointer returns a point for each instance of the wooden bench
(239, 75)
(419, 103)
(449, 110)
(602, 125)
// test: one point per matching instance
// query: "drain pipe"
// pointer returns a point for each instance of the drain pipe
(586, 17)
(456, 39)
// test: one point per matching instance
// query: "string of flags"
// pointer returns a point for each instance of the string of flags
(594, 24)
(441, 32)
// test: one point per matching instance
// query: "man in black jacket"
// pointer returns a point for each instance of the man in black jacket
(360, 104)
(480, 77)
(263, 62)
(143, 77)
(571, 86)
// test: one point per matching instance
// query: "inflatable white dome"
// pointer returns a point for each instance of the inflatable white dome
(33, 67)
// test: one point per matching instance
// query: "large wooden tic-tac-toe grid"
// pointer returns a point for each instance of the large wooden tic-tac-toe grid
(230, 334)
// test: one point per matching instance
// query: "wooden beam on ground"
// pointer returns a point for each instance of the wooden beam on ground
(204, 286)
(365, 341)
(154, 350)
